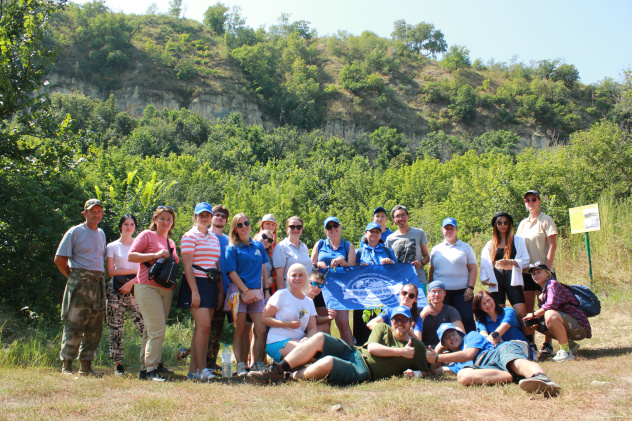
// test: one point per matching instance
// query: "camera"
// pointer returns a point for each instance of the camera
(531, 322)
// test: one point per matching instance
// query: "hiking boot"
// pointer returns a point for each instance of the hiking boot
(540, 383)
(66, 367)
(241, 369)
(271, 374)
(142, 375)
(562, 356)
(547, 349)
(119, 370)
(86, 370)
(154, 376)
(163, 370)
(207, 374)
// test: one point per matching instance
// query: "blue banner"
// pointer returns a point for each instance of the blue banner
(372, 286)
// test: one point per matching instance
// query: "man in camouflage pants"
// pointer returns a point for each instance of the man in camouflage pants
(80, 257)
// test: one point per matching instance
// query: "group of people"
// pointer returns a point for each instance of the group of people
(272, 293)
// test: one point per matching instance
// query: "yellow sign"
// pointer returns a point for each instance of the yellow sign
(585, 219)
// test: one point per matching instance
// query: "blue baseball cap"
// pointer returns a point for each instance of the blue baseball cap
(372, 225)
(443, 328)
(403, 310)
(331, 219)
(203, 207)
(449, 221)
(379, 209)
(436, 285)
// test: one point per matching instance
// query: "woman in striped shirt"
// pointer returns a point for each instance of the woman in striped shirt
(199, 292)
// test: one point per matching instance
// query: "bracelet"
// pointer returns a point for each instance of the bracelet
(267, 289)
(436, 358)
(471, 287)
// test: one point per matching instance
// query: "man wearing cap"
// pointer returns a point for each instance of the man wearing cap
(381, 218)
(79, 258)
(559, 314)
(409, 244)
(477, 362)
(436, 313)
(389, 351)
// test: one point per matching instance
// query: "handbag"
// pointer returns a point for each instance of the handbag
(214, 275)
(119, 280)
(165, 270)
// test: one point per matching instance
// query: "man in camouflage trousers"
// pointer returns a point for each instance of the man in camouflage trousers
(80, 258)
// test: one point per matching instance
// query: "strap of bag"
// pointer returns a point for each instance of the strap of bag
(170, 254)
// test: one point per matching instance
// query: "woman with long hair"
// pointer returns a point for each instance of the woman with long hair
(502, 261)
(495, 322)
(154, 300)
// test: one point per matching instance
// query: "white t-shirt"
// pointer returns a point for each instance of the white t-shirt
(119, 251)
(449, 263)
(286, 254)
(290, 308)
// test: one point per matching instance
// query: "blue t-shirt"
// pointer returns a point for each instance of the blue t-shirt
(247, 261)
(374, 255)
(385, 234)
(223, 244)
(386, 317)
(471, 340)
(507, 316)
(326, 252)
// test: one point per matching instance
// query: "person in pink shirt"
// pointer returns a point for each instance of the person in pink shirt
(153, 300)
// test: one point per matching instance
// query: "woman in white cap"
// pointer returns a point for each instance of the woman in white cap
(201, 289)
(334, 252)
(540, 236)
(453, 262)
(269, 222)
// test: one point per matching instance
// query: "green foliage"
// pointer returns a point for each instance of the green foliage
(499, 141)
(463, 106)
(175, 8)
(457, 58)
(356, 77)
(215, 18)
(421, 38)
(389, 144)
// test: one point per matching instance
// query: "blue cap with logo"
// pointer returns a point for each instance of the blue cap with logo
(373, 225)
(443, 328)
(331, 219)
(203, 207)
(401, 310)
(379, 209)
(449, 221)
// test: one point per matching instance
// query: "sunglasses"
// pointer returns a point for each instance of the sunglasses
(502, 223)
(316, 284)
(295, 227)
(332, 226)
(220, 215)
(411, 295)
(245, 224)
(164, 207)
(265, 237)
(533, 199)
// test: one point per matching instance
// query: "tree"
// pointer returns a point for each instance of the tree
(457, 58)
(175, 8)
(215, 18)
(389, 144)
(567, 74)
(421, 38)
(499, 141)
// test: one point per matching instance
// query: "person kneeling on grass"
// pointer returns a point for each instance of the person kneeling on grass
(389, 351)
(559, 314)
(477, 362)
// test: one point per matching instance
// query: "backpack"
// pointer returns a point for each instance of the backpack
(588, 301)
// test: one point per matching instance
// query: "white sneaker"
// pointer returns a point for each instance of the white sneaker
(562, 356)
(207, 374)
(241, 369)
(194, 376)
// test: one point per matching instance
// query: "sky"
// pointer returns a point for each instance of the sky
(594, 36)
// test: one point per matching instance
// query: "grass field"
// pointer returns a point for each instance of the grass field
(598, 385)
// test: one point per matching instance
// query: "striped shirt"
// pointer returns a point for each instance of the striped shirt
(204, 248)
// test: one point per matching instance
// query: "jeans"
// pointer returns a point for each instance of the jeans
(455, 299)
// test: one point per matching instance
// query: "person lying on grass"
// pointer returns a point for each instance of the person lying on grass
(389, 351)
(477, 362)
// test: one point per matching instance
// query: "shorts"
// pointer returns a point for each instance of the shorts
(348, 364)
(209, 293)
(499, 357)
(243, 307)
(319, 300)
(274, 350)
(530, 284)
(574, 330)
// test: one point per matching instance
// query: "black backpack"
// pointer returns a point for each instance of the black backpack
(588, 301)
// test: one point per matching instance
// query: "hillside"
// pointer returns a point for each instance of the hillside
(344, 84)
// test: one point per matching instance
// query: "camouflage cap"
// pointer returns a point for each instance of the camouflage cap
(91, 203)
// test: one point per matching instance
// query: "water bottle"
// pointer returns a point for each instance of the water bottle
(227, 366)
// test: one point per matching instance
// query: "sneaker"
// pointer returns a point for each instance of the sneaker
(142, 375)
(574, 346)
(547, 349)
(154, 376)
(562, 356)
(271, 374)
(258, 366)
(540, 383)
(194, 376)
(66, 367)
(163, 370)
(207, 374)
(241, 369)
(119, 370)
